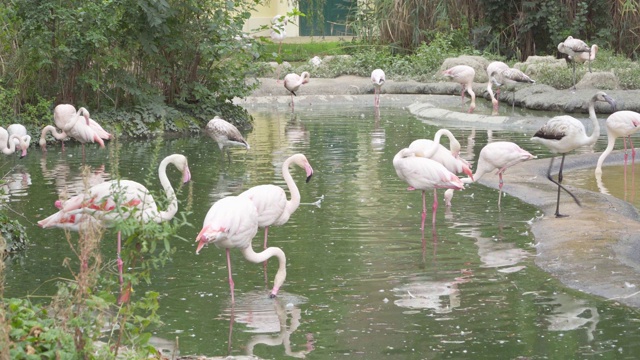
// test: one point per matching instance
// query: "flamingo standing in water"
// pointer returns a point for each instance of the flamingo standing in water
(117, 200)
(225, 134)
(620, 124)
(499, 155)
(463, 75)
(71, 123)
(450, 158)
(278, 34)
(424, 174)
(271, 200)
(500, 76)
(24, 140)
(8, 143)
(292, 83)
(562, 134)
(378, 78)
(574, 48)
(232, 222)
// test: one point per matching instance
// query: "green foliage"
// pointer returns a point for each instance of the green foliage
(301, 51)
(14, 233)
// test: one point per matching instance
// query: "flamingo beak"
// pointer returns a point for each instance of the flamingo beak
(201, 244)
(23, 154)
(309, 171)
(467, 171)
(186, 175)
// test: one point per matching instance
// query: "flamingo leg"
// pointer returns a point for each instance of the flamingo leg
(559, 183)
(434, 208)
(264, 264)
(500, 184)
(626, 155)
(424, 212)
(231, 284)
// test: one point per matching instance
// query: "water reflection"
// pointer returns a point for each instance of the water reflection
(569, 313)
(15, 184)
(274, 319)
(441, 296)
(70, 182)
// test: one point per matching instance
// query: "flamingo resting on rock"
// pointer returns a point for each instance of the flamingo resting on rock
(620, 124)
(562, 134)
(232, 222)
(575, 48)
(463, 75)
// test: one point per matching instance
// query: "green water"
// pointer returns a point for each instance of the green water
(361, 280)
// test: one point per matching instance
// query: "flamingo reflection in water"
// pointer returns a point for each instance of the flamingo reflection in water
(273, 320)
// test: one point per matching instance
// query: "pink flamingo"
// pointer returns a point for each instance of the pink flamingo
(463, 75)
(424, 174)
(450, 158)
(271, 200)
(231, 223)
(225, 134)
(620, 124)
(562, 134)
(278, 34)
(574, 48)
(24, 140)
(117, 200)
(378, 78)
(292, 83)
(8, 143)
(67, 119)
(499, 155)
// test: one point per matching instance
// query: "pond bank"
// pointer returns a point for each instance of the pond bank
(596, 249)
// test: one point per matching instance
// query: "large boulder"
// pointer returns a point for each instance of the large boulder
(605, 80)
(534, 64)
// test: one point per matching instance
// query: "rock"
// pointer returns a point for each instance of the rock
(599, 80)
(478, 63)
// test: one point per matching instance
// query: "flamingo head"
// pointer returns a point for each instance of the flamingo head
(602, 96)
(207, 235)
(85, 113)
(301, 160)
(467, 170)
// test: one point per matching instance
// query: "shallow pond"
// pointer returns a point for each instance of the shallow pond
(361, 280)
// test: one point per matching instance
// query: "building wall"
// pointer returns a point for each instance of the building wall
(264, 14)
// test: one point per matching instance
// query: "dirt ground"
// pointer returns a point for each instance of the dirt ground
(596, 249)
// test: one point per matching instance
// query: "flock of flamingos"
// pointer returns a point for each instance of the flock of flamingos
(233, 221)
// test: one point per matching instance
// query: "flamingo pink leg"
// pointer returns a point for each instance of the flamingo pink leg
(434, 207)
(424, 211)
(231, 284)
(500, 187)
(264, 264)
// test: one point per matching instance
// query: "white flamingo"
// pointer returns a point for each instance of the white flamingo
(620, 124)
(450, 158)
(463, 75)
(271, 200)
(292, 83)
(25, 139)
(225, 134)
(574, 48)
(232, 222)
(378, 79)
(116, 200)
(562, 134)
(72, 125)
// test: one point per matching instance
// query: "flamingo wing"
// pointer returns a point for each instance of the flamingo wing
(270, 202)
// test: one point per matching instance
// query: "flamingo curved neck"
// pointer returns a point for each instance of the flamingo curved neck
(454, 145)
(596, 125)
(172, 209)
(262, 256)
(53, 131)
(610, 144)
(10, 143)
(294, 201)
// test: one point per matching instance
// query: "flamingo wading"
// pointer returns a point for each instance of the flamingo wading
(72, 125)
(8, 143)
(562, 134)
(463, 75)
(225, 134)
(378, 79)
(271, 200)
(292, 83)
(24, 139)
(620, 124)
(232, 222)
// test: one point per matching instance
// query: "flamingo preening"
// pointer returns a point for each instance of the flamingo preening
(500, 76)
(232, 222)
(424, 174)
(116, 200)
(562, 134)
(575, 48)
(292, 83)
(450, 158)
(278, 34)
(271, 201)
(377, 78)
(225, 134)
(463, 75)
(620, 124)
(76, 124)
(499, 155)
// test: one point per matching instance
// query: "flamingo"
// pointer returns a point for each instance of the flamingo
(499, 155)
(424, 174)
(463, 75)
(271, 200)
(378, 78)
(8, 143)
(225, 134)
(67, 119)
(292, 83)
(562, 134)
(501, 76)
(24, 140)
(620, 124)
(495, 66)
(117, 200)
(574, 48)
(450, 158)
(231, 223)
(278, 34)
